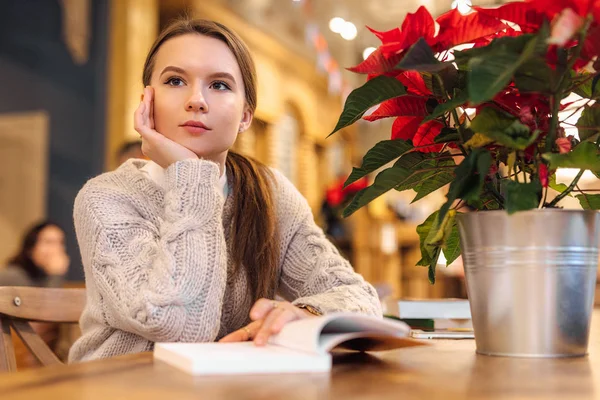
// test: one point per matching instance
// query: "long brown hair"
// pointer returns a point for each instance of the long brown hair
(253, 232)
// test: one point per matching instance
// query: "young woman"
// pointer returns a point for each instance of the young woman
(41, 261)
(193, 245)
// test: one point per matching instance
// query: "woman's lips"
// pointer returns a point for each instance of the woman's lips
(194, 130)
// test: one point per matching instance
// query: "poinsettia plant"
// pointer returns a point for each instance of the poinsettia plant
(476, 99)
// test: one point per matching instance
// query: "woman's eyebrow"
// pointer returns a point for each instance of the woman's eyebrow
(222, 75)
(173, 69)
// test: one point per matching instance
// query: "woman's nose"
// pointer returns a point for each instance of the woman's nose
(196, 102)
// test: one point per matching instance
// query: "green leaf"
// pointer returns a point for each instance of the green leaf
(378, 156)
(534, 76)
(503, 128)
(411, 170)
(370, 94)
(587, 84)
(420, 57)
(583, 156)
(433, 182)
(436, 239)
(423, 231)
(433, 84)
(588, 124)
(424, 169)
(385, 181)
(485, 202)
(493, 70)
(430, 252)
(447, 135)
(589, 201)
(559, 187)
(513, 44)
(522, 196)
(478, 140)
(452, 246)
(469, 178)
(459, 99)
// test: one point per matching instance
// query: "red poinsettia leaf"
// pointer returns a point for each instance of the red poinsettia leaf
(591, 47)
(525, 14)
(543, 173)
(400, 106)
(390, 36)
(414, 83)
(426, 135)
(376, 63)
(405, 127)
(456, 28)
(564, 145)
(418, 25)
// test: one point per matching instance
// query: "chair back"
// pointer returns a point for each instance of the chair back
(21, 305)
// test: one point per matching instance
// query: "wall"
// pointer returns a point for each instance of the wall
(37, 72)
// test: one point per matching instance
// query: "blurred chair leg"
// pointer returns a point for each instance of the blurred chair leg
(8, 362)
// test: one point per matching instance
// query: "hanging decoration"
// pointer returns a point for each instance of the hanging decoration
(337, 85)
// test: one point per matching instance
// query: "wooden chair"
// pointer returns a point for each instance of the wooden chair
(20, 305)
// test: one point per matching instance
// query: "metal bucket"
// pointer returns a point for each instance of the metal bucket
(531, 278)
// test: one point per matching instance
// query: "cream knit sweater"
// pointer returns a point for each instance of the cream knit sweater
(156, 260)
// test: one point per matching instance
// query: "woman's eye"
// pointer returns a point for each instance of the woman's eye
(174, 82)
(220, 86)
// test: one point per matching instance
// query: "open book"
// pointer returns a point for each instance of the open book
(301, 346)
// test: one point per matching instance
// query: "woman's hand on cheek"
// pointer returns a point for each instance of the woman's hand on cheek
(156, 146)
(269, 317)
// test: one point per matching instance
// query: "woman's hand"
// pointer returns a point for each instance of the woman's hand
(156, 146)
(268, 317)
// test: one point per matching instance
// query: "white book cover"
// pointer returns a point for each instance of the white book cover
(428, 308)
(301, 346)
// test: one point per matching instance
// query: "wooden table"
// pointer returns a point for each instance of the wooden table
(446, 370)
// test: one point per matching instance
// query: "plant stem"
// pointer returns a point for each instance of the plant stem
(568, 190)
(458, 126)
(551, 137)
(584, 194)
(545, 197)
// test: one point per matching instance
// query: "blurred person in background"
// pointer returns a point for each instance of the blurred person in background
(42, 260)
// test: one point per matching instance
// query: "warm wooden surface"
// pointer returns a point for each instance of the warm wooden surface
(447, 370)
(42, 304)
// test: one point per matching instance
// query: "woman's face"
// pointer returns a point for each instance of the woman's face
(199, 98)
(50, 241)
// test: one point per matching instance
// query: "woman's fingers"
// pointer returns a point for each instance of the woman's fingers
(243, 334)
(261, 308)
(151, 114)
(265, 330)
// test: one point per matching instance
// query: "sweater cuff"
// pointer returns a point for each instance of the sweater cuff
(197, 172)
(192, 188)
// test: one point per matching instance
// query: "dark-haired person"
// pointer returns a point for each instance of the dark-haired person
(41, 261)
(193, 245)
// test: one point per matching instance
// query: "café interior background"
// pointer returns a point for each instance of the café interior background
(70, 79)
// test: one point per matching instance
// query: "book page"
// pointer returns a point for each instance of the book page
(319, 335)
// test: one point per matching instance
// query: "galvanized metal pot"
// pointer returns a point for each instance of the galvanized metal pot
(530, 280)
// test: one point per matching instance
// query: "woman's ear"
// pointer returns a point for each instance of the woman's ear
(246, 119)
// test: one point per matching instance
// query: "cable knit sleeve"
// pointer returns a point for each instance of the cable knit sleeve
(313, 272)
(163, 280)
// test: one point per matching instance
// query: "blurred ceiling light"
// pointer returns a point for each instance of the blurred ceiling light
(463, 6)
(367, 52)
(349, 31)
(337, 24)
